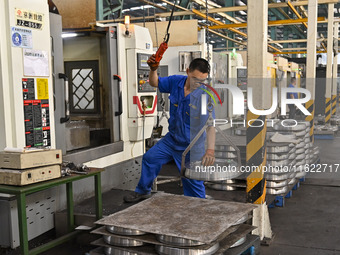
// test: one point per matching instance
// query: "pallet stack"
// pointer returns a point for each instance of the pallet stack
(278, 177)
(296, 154)
(169, 226)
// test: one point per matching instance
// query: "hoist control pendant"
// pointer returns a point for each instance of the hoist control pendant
(159, 54)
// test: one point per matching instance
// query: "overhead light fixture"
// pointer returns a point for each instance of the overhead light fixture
(135, 8)
(68, 35)
(127, 24)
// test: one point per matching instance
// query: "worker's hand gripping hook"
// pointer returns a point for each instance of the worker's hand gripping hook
(153, 63)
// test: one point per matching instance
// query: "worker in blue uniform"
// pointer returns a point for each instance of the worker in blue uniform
(185, 122)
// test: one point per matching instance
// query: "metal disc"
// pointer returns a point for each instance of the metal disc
(299, 151)
(300, 174)
(300, 156)
(224, 148)
(301, 134)
(221, 186)
(165, 250)
(292, 181)
(124, 231)
(177, 241)
(225, 154)
(278, 149)
(242, 220)
(293, 162)
(306, 123)
(288, 135)
(239, 242)
(277, 191)
(277, 184)
(300, 145)
(277, 177)
(277, 156)
(291, 176)
(279, 163)
(301, 163)
(121, 241)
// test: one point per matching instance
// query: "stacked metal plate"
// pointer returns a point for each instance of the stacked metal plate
(280, 156)
(301, 131)
(120, 239)
(335, 120)
(228, 160)
(228, 185)
(167, 224)
(224, 152)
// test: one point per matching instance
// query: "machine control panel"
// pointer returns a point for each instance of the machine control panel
(143, 82)
(143, 74)
(242, 78)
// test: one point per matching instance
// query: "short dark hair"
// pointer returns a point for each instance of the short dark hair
(293, 79)
(199, 64)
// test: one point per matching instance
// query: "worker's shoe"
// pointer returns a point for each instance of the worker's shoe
(136, 197)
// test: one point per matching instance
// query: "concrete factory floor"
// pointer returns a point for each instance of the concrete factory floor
(308, 224)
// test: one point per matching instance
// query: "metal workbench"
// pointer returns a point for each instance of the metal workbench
(22, 191)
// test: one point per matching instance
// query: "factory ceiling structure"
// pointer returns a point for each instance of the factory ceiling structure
(227, 22)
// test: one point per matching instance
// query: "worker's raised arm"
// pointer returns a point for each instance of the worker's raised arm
(153, 76)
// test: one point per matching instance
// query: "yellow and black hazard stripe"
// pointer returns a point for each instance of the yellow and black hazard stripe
(256, 157)
(310, 118)
(333, 104)
(328, 110)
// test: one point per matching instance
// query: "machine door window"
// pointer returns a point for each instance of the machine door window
(87, 127)
(84, 87)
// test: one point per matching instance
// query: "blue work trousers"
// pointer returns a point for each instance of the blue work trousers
(161, 153)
